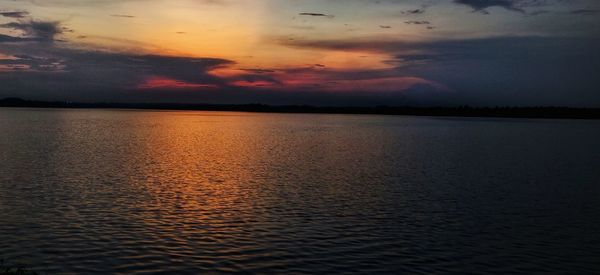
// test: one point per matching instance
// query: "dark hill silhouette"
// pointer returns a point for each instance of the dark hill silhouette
(464, 111)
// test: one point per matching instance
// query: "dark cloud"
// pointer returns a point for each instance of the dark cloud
(32, 63)
(540, 12)
(414, 22)
(36, 30)
(63, 73)
(8, 38)
(483, 4)
(487, 71)
(259, 71)
(52, 72)
(585, 11)
(357, 44)
(316, 14)
(414, 11)
(14, 14)
(514, 5)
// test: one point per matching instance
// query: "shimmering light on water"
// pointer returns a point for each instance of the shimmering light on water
(90, 191)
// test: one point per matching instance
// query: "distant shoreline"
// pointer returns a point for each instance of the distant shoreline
(465, 111)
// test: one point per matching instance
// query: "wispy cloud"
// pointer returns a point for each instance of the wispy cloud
(585, 11)
(413, 11)
(122, 15)
(415, 22)
(514, 5)
(316, 14)
(14, 14)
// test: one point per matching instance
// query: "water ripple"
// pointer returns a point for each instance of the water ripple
(191, 192)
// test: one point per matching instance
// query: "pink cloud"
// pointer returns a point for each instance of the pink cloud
(160, 82)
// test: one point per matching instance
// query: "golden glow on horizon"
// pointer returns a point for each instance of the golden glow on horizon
(250, 33)
(183, 30)
(242, 32)
(158, 82)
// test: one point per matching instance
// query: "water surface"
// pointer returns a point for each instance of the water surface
(109, 191)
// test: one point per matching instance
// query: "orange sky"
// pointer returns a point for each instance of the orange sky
(312, 45)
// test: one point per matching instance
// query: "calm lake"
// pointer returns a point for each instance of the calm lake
(111, 191)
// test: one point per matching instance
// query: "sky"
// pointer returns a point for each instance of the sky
(317, 52)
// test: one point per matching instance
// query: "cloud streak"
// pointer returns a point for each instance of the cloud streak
(316, 14)
(499, 70)
(122, 15)
(14, 14)
(514, 5)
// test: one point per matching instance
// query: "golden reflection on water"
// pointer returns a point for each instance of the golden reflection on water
(196, 168)
(89, 191)
(225, 173)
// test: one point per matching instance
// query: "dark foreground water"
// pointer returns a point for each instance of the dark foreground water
(94, 191)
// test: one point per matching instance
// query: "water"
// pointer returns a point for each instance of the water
(108, 191)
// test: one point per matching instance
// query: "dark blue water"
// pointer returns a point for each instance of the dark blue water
(89, 191)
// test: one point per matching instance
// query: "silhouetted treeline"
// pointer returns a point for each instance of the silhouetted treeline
(464, 111)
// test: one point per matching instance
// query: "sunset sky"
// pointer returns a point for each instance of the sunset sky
(323, 52)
